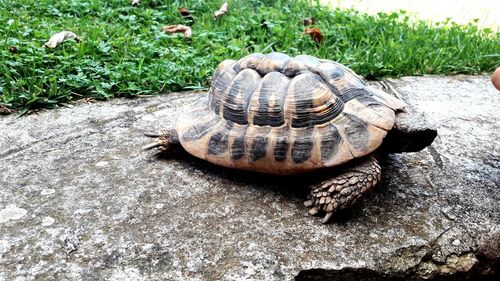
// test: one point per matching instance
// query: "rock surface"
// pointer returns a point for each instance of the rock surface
(80, 200)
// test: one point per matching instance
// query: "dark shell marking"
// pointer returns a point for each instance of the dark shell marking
(330, 141)
(360, 94)
(238, 146)
(259, 148)
(218, 142)
(281, 148)
(302, 147)
(356, 132)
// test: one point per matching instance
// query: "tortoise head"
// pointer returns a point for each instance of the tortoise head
(410, 133)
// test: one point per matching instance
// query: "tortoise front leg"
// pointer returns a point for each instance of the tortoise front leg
(344, 189)
(167, 141)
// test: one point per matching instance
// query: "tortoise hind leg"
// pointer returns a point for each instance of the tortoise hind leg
(167, 141)
(344, 189)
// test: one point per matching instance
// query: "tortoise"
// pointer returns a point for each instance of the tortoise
(276, 114)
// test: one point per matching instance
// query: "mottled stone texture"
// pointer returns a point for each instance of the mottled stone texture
(79, 200)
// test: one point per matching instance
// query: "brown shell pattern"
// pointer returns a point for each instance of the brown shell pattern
(276, 114)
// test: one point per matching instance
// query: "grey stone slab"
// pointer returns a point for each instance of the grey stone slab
(79, 200)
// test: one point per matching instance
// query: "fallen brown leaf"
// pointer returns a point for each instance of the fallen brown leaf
(179, 28)
(315, 34)
(4, 110)
(186, 14)
(309, 21)
(60, 37)
(222, 11)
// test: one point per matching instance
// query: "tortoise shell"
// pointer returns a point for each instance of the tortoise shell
(276, 114)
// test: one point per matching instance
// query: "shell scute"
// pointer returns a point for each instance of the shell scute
(236, 98)
(330, 140)
(220, 82)
(308, 60)
(311, 102)
(266, 105)
(303, 146)
(281, 148)
(249, 62)
(259, 147)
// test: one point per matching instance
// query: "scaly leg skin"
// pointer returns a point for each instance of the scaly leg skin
(343, 190)
(167, 141)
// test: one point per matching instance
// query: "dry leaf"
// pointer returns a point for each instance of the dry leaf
(135, 2)
(186, 14)
(222, 11)
(309, 21)
(179, 28)
(4, 110)
(60, 37)
(315, 34)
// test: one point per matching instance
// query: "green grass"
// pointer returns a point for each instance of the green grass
(124, 53)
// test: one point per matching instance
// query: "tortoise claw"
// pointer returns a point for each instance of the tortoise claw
(314, 211)
(152, 135)
(327, 218)
(152, 145)
(308, 203)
